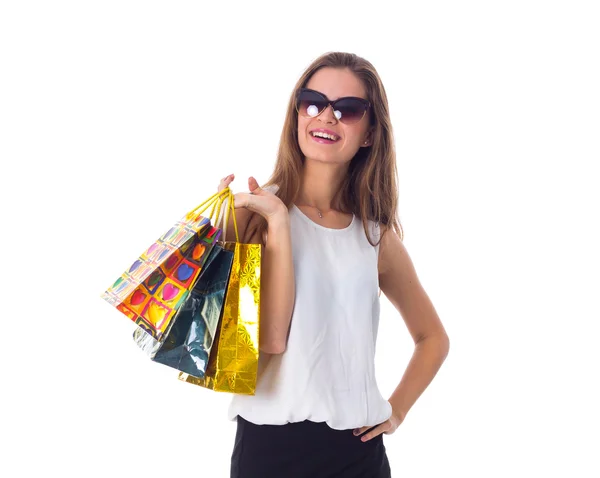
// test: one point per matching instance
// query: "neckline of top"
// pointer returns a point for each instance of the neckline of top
(318, 226)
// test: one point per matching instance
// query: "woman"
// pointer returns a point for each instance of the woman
(328, 222)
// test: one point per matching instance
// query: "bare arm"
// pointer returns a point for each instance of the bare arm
(278, 287)
(399, 282)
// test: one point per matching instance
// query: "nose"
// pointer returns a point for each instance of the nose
(328, 116)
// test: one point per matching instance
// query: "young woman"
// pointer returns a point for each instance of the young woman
(328, 221)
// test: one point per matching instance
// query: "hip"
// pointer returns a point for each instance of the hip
(305, 449)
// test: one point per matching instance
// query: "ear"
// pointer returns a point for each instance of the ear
(368, 139)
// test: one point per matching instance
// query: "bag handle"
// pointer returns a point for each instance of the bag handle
(230, 208)
(211, 201)
(216, 201)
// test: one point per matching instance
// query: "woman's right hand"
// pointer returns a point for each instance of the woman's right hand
(258, 200)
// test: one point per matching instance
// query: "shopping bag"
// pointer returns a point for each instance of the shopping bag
(190, 337)
(233, 361)
(152, 290)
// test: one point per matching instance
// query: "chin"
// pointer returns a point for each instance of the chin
(309, 151)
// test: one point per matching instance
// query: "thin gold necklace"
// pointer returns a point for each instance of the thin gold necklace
(318, 210)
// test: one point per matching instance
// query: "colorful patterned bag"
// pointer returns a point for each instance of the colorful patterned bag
(188, 342)
(153, 289)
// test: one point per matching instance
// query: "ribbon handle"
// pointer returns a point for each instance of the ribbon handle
(211, 201)
(230, 208)
(215, 202)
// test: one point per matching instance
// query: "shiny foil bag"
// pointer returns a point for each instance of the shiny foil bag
(190, 337)
(152, 290)
(233, 363)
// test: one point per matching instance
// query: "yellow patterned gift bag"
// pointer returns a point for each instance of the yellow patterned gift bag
(233, 362)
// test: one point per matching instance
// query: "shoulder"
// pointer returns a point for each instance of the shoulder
(393, 258)
(389, 244)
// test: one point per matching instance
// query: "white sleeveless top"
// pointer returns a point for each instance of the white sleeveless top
(326, 373)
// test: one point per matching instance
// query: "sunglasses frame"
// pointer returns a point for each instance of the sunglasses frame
(367, 103)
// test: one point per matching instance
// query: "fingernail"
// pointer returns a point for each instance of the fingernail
(356, 432)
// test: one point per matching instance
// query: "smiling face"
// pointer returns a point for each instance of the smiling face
(334, 83)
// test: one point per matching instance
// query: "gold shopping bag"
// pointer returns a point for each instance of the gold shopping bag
(233, 362)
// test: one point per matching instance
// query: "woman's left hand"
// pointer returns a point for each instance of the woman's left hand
(388, 427)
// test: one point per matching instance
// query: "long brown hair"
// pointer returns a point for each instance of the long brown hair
(370, 189)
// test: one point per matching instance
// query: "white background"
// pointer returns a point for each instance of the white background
(116, 117)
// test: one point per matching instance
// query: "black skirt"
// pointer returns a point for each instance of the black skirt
(305, 450)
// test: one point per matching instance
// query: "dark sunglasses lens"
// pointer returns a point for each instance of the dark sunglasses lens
(350, 110)
(310, 104)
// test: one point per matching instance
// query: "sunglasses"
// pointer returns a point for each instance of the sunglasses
(348, 110)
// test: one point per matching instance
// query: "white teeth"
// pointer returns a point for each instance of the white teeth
(324, 135)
